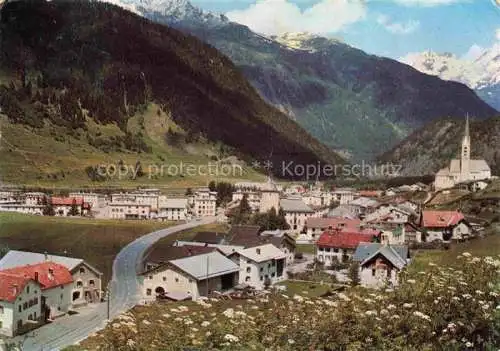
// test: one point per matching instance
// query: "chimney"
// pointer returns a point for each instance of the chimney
(46, 256)
(15, 290)
(36, 276)
(50, 274)
(258, 251)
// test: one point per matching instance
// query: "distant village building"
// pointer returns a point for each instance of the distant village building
(95, 200)
(380, 264)
(338, 245)
(173, 209)
(463, 169)
(204, 202)
(63, 205)
(296, 213)
(343, 195)
(445, 225)
(317, 225)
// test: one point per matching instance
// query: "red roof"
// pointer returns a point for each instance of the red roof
(60, 275)
(343, 239)
(11, 286)
(441, 219)
(66, 201)
(333, 222)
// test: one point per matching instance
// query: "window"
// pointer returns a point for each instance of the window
(148, 292)
(249, 269)
(79, 284)
(25, 306)
(247, 278)
(150, 277)
(1, 309)
(262, 269)
(373, 272)
(261, 278)
(35, 301)
(176, 280)
(91, 282)
(336, 250)
(82, 270)
(164, 279)
(28, 289)
(61, 296)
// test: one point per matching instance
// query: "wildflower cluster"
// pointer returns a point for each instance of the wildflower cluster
(450, 308)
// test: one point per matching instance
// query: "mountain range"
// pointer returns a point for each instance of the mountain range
(431, 148)
(356, 103)
(91, 67)
(481, 73)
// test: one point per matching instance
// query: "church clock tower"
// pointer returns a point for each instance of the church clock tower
(465, 156)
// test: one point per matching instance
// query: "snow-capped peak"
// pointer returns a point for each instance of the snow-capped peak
(478, 73)
(304, 41)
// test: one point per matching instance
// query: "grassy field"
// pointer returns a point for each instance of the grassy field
(96, 241)
(305, 248)
(50, 157)
(311, 289)
(487, 246)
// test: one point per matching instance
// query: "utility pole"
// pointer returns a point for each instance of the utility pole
(207, 276)
(108, 295)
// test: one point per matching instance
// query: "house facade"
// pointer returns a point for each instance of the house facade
(316, 226)
(296, 213)
(204, 203)
(260, 265)
(190, 277)
(173, 209)
(339, 246)
(20, 304)
(63, 205)
(380, 264)
(445, 226)
(87, 280)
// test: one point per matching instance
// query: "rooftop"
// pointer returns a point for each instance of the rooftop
(441, 219)
(294, 205)
(262, 253)
(343, 239)
(11, 286)
(206, 266)
(48, 274)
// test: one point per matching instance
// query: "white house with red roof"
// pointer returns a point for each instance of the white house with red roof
(20, 303)
(55, 282)
(445, 225)
(315, 226)
(339, 245)
(62, 205)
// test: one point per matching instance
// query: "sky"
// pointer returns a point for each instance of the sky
(392, 28)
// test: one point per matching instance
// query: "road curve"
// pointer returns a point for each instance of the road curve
(124, 287)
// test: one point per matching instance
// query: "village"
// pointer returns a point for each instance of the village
(346, 236)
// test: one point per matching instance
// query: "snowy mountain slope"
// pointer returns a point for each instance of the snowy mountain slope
(481, 74)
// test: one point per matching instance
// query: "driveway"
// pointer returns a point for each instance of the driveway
(124, 288)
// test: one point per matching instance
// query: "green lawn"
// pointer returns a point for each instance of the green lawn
(311, 289)
(487, 246)
(96, 241)
(305, 248)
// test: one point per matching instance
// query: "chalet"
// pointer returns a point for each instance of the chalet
(55, 282)
(401, 234)
(337, 245)
(445, 225)
(87, 280)
(260, 265)
(190, 277)
(20, 304)
(380, 264)
(95, 200)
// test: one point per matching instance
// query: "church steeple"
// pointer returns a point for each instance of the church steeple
(465, 155)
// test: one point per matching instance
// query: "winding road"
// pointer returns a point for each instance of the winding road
(124, 288)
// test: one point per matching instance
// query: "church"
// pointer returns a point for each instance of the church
(464, 169)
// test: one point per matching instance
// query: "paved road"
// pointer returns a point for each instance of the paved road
(124, 288)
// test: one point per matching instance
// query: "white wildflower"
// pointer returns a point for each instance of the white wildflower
(407, 305)
(146, 322)
(411, 281)
(205, 324)
(229, 313)
(421, 315)
(466, 254)
(231, 338)
(291, 341)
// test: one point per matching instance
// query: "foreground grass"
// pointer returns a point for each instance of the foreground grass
(487, 246)
(96, 241)
(441, 308)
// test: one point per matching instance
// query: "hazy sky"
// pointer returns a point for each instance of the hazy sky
(385, 27)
